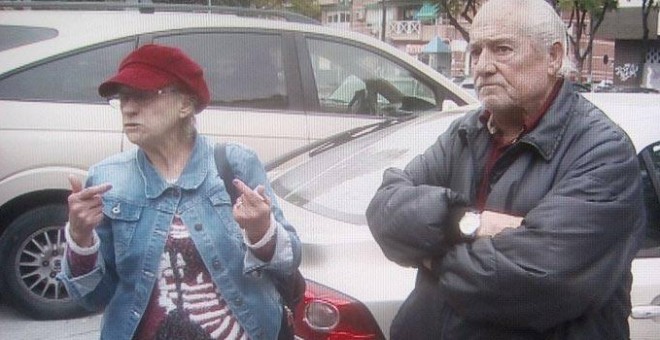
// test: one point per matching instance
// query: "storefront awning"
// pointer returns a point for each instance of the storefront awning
(427, 12)
(436, 45)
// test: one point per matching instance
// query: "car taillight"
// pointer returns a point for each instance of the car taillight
(326, 314)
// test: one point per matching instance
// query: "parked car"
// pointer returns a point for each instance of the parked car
(629, 89)
(325, 189)
(271, 75)
(604, 85)
(468, 85)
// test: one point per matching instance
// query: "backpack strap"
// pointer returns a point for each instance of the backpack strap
(224, 169)
(292, 289)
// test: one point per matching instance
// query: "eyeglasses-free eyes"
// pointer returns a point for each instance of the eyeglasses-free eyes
(139, 97)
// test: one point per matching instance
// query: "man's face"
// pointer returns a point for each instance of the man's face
(511, 70)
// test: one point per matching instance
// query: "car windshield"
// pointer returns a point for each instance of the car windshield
(339, 182)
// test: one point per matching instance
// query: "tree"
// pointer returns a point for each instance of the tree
(647, 6)
(586, 16)
(309, 8)
(455, 9)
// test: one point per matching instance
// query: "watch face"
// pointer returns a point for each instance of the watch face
(469, 223)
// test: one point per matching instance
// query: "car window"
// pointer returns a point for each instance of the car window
(650, 164)
(353, 80)
(14, 36)
(242, 69)
(71, 78)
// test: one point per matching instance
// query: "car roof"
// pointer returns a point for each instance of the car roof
(78, 29)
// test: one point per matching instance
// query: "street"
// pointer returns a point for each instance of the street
(14, 325)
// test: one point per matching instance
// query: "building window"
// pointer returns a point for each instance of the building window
(339, 17)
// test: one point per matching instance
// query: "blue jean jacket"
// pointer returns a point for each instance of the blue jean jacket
(138, 212)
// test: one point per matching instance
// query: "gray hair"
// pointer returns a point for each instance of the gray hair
(190, 126)
(190, 123)
(541, 22)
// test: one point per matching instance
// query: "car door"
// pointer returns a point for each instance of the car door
(255, 89)
(645, 295)
(50, 111)
(53, 123)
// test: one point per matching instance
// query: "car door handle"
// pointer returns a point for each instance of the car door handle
(645, 312)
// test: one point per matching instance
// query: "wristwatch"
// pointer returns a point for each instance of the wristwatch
(469, 225)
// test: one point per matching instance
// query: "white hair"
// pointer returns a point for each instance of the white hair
(540, 22)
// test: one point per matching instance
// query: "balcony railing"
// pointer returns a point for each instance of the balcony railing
(404, 30)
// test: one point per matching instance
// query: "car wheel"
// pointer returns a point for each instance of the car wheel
(36, 247)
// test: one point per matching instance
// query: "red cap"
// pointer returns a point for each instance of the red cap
(152, 67)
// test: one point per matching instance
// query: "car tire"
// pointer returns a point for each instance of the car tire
(36, 247)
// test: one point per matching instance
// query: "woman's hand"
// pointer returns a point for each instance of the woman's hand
(85, 211)
(252, 210)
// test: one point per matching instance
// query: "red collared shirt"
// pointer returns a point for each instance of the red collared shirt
(500, 145)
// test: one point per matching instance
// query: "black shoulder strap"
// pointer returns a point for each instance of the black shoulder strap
(292, 289)
(224, 169)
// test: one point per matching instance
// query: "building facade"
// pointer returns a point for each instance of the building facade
(631, 66)
(408, 25)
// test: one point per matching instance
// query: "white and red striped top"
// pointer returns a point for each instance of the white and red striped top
(201, 298)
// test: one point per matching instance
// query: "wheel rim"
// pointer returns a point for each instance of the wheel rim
(39, 260)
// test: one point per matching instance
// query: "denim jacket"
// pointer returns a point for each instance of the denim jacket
(138, 212)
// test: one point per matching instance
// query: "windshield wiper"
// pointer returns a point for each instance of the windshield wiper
(333, 141)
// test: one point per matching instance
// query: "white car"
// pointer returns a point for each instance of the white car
(326, 188)
(271, 83)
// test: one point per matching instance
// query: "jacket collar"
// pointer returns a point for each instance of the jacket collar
(547, 135)
(192, 177)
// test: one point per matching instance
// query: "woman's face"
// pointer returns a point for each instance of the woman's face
(150, 117)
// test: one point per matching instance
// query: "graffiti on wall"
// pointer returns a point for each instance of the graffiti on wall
(626, 71)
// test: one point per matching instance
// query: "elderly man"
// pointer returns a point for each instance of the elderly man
(552, 192)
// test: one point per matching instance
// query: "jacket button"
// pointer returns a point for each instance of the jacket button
(238, 301)
(198, 226)
(217, 264)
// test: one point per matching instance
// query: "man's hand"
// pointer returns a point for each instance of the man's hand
(85, 210)
(428, 263)
(252, 210)
(493, 223)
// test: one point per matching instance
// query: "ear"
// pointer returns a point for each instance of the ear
(187, 106)
(556, 58)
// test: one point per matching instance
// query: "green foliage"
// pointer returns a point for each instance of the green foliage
(585, 18)
(309, 8)
(594, 7)
(457, 10)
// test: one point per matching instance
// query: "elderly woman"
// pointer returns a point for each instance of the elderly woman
(153, 237)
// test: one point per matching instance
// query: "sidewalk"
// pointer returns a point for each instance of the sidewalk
(14, 325)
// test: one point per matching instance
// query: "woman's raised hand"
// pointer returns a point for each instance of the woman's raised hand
(252, 210)
(85, 210)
